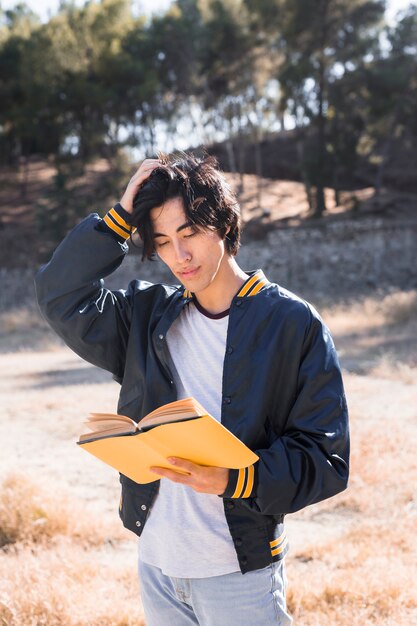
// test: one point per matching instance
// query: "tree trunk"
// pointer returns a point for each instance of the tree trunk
(258, 159)
(258, 168)
(304, 176)
(25, 160)
(336, 196)
(240, 168)
(320, 205)
(231, 156)
(386, 151)
(151, 132)
(321, 139)
(112, 147)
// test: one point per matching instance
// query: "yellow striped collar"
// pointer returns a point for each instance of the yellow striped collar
(255, 283)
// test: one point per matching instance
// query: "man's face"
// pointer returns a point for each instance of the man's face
(195, 257)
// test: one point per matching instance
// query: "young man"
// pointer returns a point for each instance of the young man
(255, 355)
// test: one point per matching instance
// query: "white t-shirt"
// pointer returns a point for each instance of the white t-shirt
(186, 534)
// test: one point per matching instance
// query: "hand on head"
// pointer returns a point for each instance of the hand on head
(147, 167)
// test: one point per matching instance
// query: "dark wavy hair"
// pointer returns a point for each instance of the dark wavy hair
(209, 203)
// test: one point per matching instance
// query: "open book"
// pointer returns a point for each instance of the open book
(182, 428)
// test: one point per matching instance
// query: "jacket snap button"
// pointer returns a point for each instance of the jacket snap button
(238, 542)
(161, 336)
(143, 507)
(138, 523)
(226, 400)
(230, 505)
(229, 350)
(243, 560)
(238, 302)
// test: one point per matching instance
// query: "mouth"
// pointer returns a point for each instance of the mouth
(189, 273)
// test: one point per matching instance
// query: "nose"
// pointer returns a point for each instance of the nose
(182, 253)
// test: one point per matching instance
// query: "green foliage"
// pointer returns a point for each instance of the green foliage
(72, 196)
(98, 78)
(60, 208)
(325, 43)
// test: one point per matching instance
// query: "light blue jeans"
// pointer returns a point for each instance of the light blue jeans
(256, 598)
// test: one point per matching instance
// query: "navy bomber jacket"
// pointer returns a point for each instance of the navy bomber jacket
(282, 391)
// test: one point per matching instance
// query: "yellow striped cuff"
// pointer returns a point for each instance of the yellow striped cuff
(245, 482)
(117, 224)
(249, 481)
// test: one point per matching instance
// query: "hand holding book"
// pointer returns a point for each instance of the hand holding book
(200, 478)
(181, 429)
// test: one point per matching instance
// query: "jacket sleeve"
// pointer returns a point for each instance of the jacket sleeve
(309, 462)
(92, 320)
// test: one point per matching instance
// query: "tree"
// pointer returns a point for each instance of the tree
(234, 79)
(18, 102)
(392, 84)
(317, 42)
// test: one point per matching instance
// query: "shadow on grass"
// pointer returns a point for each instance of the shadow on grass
(87, 375)
(361, 352)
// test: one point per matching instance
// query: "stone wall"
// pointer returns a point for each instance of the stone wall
(340, 259)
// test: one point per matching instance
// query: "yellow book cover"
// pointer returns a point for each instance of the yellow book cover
(182, 428)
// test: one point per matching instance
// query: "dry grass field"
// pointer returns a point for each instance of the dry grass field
(65, 560)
